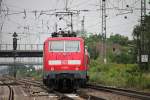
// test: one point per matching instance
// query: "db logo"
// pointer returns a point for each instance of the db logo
(64, 62)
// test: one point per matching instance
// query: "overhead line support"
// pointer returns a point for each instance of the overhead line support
(142, 47)
(104, 29)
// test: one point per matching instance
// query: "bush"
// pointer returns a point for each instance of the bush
(120, 75)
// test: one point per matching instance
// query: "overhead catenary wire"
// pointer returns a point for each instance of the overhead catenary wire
(81, 3)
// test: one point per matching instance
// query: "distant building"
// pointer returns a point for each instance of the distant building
(116, 48)
(112, 48)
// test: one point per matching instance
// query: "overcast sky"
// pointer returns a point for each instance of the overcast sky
(37, 25)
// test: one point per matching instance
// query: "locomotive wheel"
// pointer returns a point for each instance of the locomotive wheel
(83, 83)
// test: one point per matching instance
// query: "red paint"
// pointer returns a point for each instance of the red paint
(65, 56)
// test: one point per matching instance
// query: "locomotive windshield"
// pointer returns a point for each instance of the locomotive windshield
(64, 46)
(56, 46)
(71, 46)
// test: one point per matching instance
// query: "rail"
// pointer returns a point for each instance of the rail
(84, 95)
(120, 91)
(87, 96)
(61, 96)
(11, 93)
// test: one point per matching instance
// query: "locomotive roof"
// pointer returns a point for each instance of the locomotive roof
(64, 38)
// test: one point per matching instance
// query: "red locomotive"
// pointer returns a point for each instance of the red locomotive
(65, 61)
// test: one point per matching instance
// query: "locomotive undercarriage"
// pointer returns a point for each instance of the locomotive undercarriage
(65, 82)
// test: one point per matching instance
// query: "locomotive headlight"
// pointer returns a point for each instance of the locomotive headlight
(54, 62)
(77, 68)
(52, 68)
(76, 62)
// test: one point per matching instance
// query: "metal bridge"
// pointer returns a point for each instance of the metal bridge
(25, 54)
(23, 50)
(18, 63)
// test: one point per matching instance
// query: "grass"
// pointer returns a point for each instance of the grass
(120, 75)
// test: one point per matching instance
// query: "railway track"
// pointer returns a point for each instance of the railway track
(86, 96)
(79, 94)
(61, 96)
(120, 91)
(30, 82)
(82, 95)
(11, 93)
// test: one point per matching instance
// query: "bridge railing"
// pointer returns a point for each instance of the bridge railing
(22, 46)
(21, 60)
(6, 47)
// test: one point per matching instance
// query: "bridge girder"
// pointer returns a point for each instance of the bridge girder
(21, 53)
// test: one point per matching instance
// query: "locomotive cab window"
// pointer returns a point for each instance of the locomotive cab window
(72, 46)
(57, 46)
(64, 46)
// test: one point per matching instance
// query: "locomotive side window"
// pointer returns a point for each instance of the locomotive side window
(72, 46)
(57, 46)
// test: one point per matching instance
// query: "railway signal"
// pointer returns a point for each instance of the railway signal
(15, 48)
(15, 41)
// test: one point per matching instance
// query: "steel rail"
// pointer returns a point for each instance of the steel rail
(30, 82)
(120, 91)
(33, 81)
(61, 96)
(11, 93)
(86, 96)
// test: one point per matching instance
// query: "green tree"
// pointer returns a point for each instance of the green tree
(119, 39)
(91, 42)
(146, 32)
